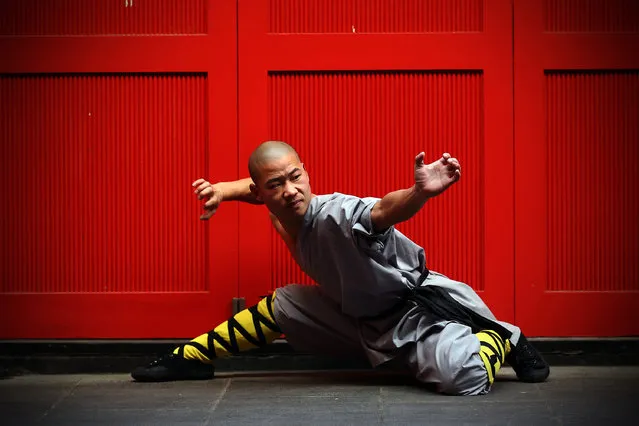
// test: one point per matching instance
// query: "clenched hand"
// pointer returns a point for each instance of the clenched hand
(211, 194)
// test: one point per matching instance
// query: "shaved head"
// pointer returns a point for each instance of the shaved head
(281, 182)
(268, 151)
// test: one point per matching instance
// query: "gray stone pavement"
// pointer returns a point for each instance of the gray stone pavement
(571, 396)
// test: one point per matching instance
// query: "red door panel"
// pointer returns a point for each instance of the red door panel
(360, 94)
(576, 177)
(101, 139)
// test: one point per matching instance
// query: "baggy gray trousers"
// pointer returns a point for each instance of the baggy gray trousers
(441, 353)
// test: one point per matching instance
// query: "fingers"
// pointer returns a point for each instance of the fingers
(453, 166)
(206, 192)
(202, 185)
(210, 208)
(204, 189)
(447, 159)
(212, 202)
(207, 215)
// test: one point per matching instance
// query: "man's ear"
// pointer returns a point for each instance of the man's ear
(256, 192)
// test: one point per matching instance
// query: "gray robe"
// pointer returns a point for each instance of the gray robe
(362, 278)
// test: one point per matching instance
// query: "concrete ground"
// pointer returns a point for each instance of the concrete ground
(571, 396)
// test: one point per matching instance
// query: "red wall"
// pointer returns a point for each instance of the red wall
(108, 111)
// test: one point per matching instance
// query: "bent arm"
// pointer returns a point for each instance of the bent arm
(238, 190)
(396, 207)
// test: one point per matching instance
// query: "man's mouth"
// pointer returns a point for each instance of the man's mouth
(295, 203)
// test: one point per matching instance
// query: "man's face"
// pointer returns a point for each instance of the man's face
(284, 187)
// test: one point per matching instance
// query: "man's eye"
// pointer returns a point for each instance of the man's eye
(296, 177)
(274, 185)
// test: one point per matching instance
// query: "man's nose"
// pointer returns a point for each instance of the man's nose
(289, 190)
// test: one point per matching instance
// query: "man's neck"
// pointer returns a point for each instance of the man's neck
(293, 225)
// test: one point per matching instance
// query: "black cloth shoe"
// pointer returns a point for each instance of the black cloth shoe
(529, 365)
(172, 367)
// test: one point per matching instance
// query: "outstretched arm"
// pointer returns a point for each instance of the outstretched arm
(430, 181)
(214, 194)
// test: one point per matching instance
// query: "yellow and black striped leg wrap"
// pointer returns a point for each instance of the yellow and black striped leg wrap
(492, 350)
(249, 329)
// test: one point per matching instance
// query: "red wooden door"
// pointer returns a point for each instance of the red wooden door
(109, 110)
(360, 88)
(576, 174)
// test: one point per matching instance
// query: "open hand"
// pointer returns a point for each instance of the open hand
(211, 194)
(434, 178)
